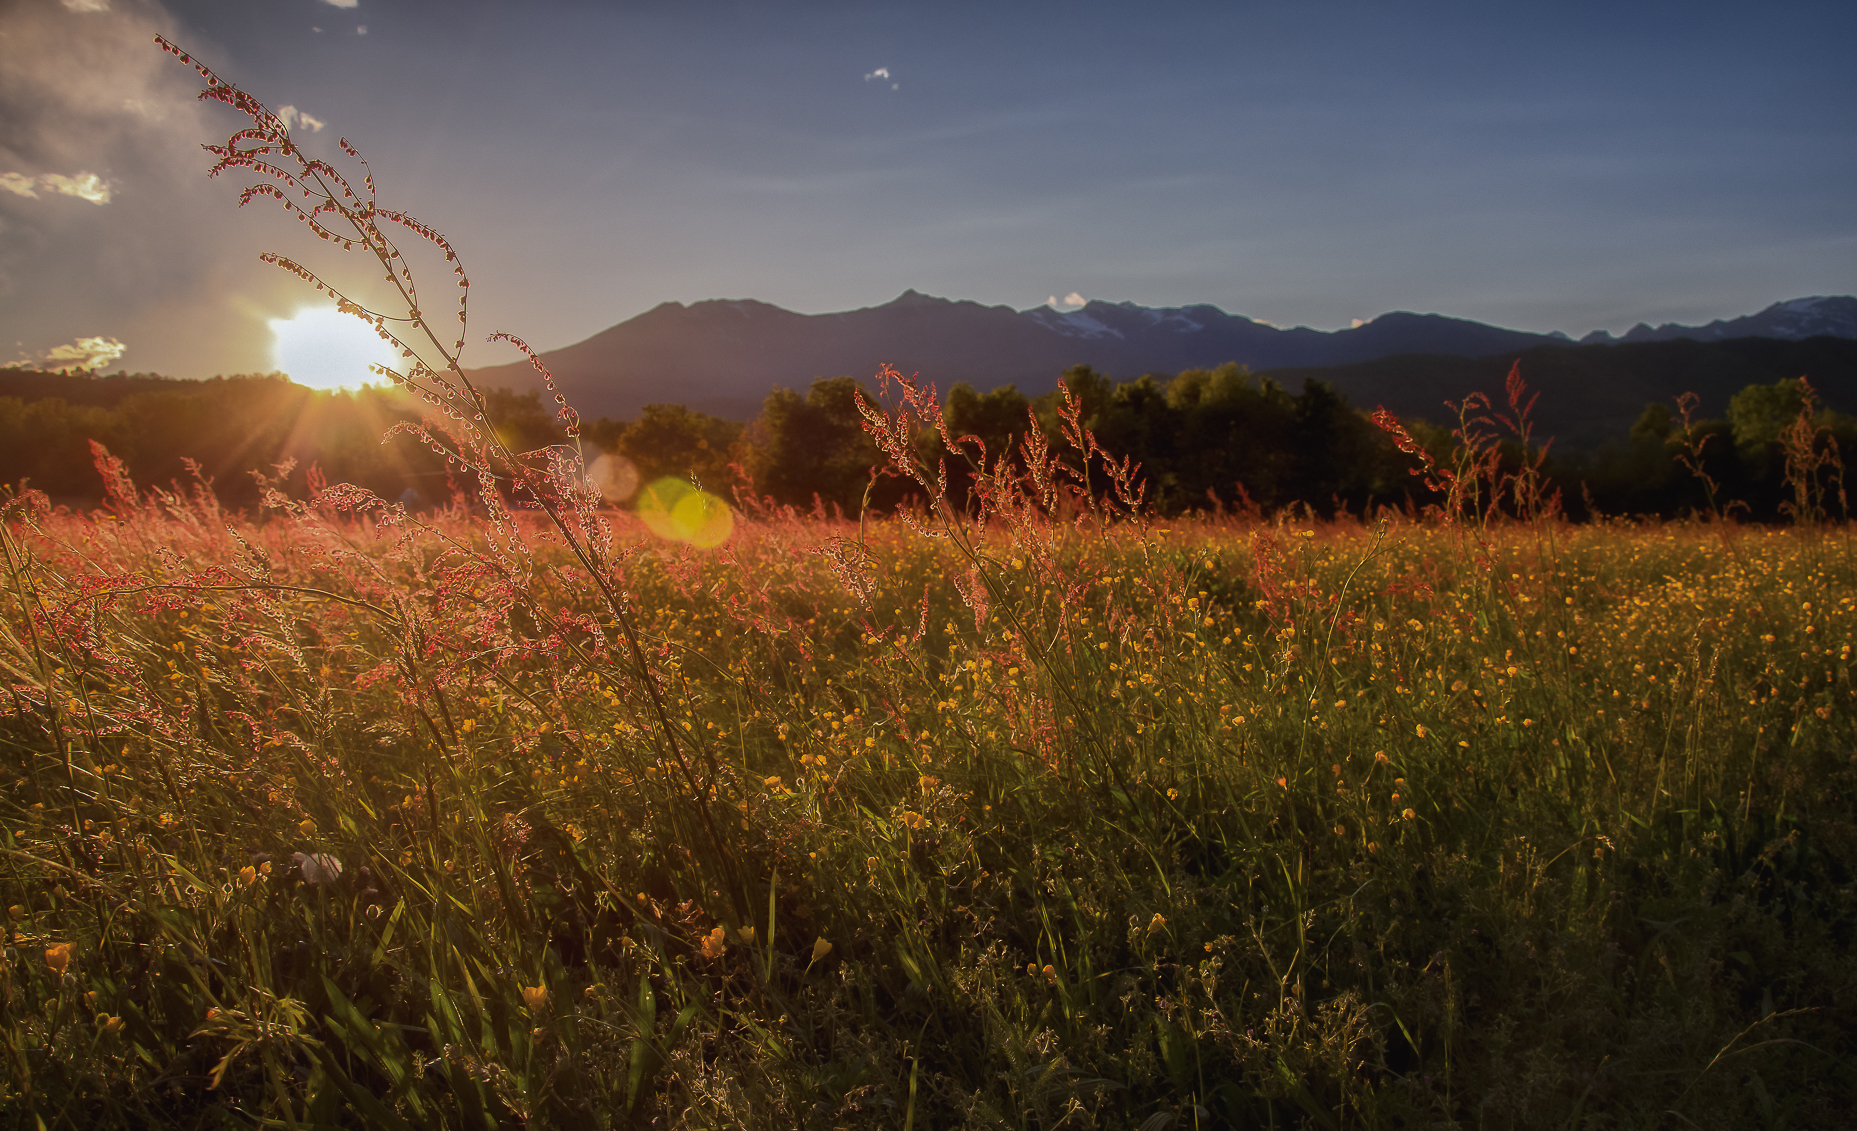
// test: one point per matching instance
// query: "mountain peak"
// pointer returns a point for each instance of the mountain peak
(914, 298)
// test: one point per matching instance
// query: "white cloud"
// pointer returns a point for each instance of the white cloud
(85, 353)
(86, 5)
(19, 183)
(294, 118)
(361, 29)
(342, 3)
(1358, 323)
(89, 186)
(880, 73)
(1071, 301)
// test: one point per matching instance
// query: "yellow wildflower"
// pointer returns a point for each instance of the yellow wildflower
(714, 944)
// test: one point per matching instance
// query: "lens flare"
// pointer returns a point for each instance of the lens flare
(674, 510)
(615, 476)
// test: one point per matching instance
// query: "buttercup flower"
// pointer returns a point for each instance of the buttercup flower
(714, 944)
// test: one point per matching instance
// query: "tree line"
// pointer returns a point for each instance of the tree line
(1205, 439)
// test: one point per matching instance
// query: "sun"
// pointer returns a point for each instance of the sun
(325, 349)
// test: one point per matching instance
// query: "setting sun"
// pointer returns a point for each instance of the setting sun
(326, 349)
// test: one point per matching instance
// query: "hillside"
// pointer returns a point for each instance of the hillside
(1593, 393)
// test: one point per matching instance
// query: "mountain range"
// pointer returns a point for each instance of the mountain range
(724, 356)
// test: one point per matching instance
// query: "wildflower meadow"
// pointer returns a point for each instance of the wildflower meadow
(1030, 810)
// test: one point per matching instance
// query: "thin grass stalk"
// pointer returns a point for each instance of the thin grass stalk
(446, 384)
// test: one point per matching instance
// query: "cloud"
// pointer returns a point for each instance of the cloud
(88, 354)
(342, 3)
(86, 5)
(361, 29)
(1071, 301)
(884, 74)
(89, 186)
(171, 265)
(293, 118)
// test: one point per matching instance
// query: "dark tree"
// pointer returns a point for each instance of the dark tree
(813, 448)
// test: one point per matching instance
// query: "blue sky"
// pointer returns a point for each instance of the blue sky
(1537, 166)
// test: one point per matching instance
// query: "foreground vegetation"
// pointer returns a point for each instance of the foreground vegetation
(1013, 809)
(337, 820)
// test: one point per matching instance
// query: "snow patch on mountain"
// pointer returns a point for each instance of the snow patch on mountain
(1171, 317)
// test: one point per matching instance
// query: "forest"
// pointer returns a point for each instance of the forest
(1203, 440)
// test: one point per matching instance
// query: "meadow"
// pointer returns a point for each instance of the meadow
(1012, 806)
(336, 818)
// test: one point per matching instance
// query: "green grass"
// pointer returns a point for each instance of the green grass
(1193, 826)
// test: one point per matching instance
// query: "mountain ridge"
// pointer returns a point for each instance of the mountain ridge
(723, 356)
(1828, 315)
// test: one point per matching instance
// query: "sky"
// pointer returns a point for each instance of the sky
(1539, 166)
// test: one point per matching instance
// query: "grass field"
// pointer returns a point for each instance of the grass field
(367, 819)
(1017, 810)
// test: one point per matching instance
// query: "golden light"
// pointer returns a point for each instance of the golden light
(672, 509)
(325, 349)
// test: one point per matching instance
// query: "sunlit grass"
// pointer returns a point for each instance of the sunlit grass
(1313, 824)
